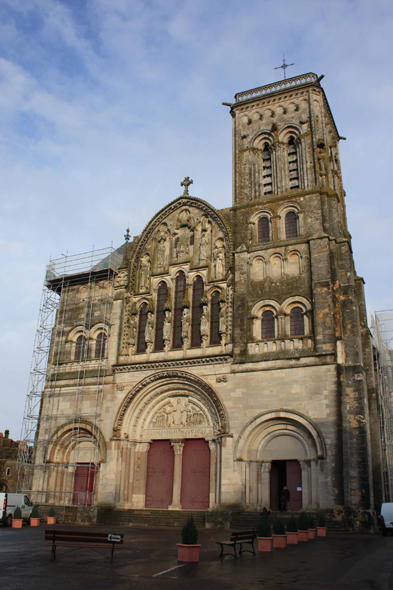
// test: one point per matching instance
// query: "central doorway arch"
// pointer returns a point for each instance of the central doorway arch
(286, 473)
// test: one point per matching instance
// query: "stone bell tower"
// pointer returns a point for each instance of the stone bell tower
(288, 196)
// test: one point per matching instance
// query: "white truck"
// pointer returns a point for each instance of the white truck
(8, 503)
(386, 518)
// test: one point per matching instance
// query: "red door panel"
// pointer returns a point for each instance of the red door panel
(84, 485)
(294, 481)
(274, 501)
(159, 480)
(195, 477)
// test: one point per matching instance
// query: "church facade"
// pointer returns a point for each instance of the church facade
(237, 356)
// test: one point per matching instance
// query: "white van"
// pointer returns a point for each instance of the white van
(386, 518)
(8, 503)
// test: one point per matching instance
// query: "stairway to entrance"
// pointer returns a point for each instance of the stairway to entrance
(249, 520)
(150, 518)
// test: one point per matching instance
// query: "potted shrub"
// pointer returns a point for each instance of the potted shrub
(311, 527)
(265, 539)
(292, 533)
(302, 526)
(34, 518)
(51, 519)
(17, 519)
(321, 528)
(188, 549)
(279, 536)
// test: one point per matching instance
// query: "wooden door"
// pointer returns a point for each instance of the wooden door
(84, 484)
(294, 481)
(195, 478)
(159, 479)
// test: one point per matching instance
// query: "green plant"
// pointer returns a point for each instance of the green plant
(321, 519)
(34, 512)
(17, 513)
(278, 527)
(51, 511)
(292, 525)
(311, 521)
(302, 522)
(189, 533)
(264, 528)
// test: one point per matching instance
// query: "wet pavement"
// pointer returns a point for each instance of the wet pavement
(339, 562)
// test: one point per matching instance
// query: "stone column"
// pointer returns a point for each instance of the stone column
(306, 495)
(140, 472)
(247, 482)
(70, 477)
(213, 469)
(265, 483)
(125, 470)
(178, 451)
(314, 483)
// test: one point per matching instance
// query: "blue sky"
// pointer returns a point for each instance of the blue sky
(105, 106)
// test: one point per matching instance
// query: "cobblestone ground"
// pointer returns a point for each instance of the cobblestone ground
(339, 562)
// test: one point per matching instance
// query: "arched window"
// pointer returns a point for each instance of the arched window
(215, 318)
(291, 230)
(268, 330)
(267, 170)
(100, 346)
(263, 230)
(180, 289)
(141, 347)
(162, 295)
(293, 164)
(80, 348)
(297, 321)
(197, 293)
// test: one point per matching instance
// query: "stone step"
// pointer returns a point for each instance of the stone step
(164, 518)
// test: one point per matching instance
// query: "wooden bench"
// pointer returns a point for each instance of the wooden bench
(239, 538)
(79, 538)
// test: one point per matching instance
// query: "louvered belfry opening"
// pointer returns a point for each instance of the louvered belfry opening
(267, 170)
(197, 293)
(263, 230)
(293, 164)
(162, 295)
(141, 328)
(268, 324)
(215, 318)
(180, 289)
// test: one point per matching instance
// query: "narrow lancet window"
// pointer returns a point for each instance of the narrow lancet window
(291, 225)
(297, 321)
(197, 294)
(267, 170)
(263, 230)
(141, 328)
(215, 318)
(293, 164)
(80, 348)
(162, 295)
(268, 330)
(100, 345)
(180, 289)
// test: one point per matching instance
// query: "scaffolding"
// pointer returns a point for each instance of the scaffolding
(382, 331)
(67, 377)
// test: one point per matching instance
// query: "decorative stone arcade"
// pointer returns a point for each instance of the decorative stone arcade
(169, 425)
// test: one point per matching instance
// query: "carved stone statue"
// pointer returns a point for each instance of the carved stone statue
(203, 247)
(185, 323)
(204, 322)
(145, 273)
(132, 330)
(177, 412)
(161, 250)
(167, 328)
(149, 328)
(218, 257)
(222, 322)
(182, 245)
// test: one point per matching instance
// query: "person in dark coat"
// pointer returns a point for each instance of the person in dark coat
(265, 512)
(285, 497)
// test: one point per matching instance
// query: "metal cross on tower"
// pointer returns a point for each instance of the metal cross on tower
(284, 66)
(186, 183)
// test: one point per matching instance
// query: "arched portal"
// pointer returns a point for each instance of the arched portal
(167, 422)
(280, 448)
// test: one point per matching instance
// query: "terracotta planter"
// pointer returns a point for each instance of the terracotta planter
(265, 544)
(188, 553)
(302, 536)
(321, 531)
(292, 538)
(279, 541)
(311, 534)
(17, 523)
(51, 519)
(35, 521)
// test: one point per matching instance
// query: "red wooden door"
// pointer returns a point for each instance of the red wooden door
(294, 481)
(84, 484)
(195, 477)
(159, 480)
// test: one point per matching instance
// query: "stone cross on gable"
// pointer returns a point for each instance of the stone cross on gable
(186, 183)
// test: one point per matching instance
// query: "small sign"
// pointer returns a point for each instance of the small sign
(114, 538)
(298, 489)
